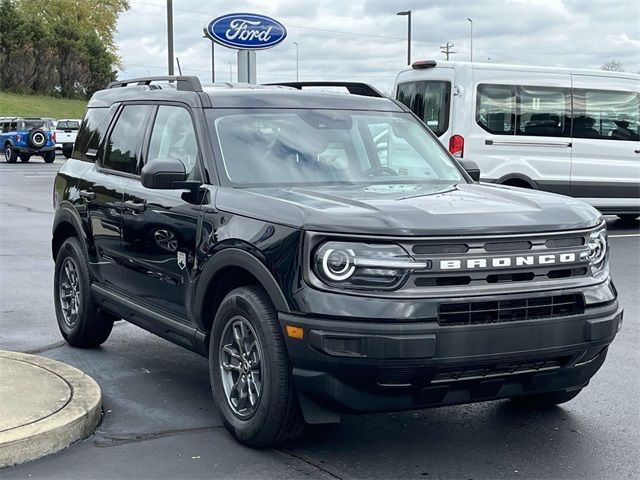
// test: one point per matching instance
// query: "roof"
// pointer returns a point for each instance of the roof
(238, 95)
(529, 68)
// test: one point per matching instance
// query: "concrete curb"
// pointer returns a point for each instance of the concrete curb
(46, 406)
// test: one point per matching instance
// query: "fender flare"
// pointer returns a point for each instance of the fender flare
(517, 176)
(235, 257)
(67, 214)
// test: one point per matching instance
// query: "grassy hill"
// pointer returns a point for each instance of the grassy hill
(12, 104)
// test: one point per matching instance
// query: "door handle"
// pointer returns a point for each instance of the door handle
(135, 206)
(87, 195)
(637, 151)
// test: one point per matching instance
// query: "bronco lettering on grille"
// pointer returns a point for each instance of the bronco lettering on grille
(510, 261)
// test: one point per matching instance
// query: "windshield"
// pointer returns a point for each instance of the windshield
(68, 125)
(300, 147)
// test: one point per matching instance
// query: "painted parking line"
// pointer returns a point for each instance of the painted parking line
(625, 235)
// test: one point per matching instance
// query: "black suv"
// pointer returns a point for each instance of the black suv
(325, 252)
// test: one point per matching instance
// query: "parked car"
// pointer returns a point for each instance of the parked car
(66, 133)
(567, 131)
(263, 227)
(22, 137)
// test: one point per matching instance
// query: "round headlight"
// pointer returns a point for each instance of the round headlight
(338, 264)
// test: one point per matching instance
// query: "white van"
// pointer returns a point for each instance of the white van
(574, 132)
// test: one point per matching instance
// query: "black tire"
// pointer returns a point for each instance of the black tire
(37, 138)
(276, 417)
(25, 157)
(90, 327)
(49, 156)
(546, 400)
(10, 155)
(67, 152)
(628, 217)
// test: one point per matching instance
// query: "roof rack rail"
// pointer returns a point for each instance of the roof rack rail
(354, 88)
(184, 82)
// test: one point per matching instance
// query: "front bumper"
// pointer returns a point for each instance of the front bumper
(366, 366)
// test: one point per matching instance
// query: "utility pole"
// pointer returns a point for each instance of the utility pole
(170, 35)
(447, 49)
(407, 13)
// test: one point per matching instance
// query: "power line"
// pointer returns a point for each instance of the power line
(447, 49)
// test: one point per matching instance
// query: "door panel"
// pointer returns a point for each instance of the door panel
(606, 142)
(522, 128)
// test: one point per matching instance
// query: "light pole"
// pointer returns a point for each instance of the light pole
(230, 73)
(471, 51)
(407, 13)
(213, 57)
(296, 44)
(170, 36)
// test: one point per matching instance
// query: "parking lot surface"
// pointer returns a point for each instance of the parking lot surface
(160, 422)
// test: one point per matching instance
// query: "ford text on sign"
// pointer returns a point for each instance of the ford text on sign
(246, 31)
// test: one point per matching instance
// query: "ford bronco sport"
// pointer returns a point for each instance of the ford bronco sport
(325, 252)
(24, 137)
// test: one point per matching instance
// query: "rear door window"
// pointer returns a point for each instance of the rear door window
(92, 131)
(122, 150)
(430, 101)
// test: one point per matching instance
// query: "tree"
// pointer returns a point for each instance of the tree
(612, 66)
(63, 47)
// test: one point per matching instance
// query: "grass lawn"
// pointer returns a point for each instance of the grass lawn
(12, 104)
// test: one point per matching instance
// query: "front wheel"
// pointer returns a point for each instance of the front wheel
(250, 371)
(49, 156)
(10, 155)
(546, 400)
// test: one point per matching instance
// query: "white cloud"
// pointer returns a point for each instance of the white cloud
(364, 39)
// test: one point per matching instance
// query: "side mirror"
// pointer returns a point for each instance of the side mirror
(471, 168)
(164, 175)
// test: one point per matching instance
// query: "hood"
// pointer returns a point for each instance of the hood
(410, 210)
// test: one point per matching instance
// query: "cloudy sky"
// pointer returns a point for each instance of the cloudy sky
(364, 40)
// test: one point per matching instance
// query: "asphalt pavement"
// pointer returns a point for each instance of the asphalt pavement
(160, 422)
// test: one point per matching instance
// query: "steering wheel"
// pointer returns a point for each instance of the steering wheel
(379, 171)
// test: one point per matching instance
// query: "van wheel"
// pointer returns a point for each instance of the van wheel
(250, 371)
(80, 321)
(628, 217)
(10, 155)
(546, 400)
(49, 156)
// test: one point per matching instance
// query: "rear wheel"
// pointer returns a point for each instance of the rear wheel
(49, 156)
(25, 157)
(628, 217)
(80, 321)
(250, 371)
(66, 152)
(546, 400)
(10, 155)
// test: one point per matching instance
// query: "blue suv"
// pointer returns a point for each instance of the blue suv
(23, 137)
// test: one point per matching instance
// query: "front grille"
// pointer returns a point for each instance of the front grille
(479, 372)
(480, 277)
(497, 311)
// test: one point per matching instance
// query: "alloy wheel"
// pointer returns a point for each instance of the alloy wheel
(240, 362)
(69, 291)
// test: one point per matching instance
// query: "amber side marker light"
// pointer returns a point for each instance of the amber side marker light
(295, 332)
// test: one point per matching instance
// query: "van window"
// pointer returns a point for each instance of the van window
(606, 115)
(430, 101)
(496, 108)
(544, 111)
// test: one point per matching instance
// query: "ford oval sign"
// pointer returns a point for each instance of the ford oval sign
(246, 31)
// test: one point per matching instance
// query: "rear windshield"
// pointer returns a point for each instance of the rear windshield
(31, 124)
(68, 125)
(300, 147)
(429, 100)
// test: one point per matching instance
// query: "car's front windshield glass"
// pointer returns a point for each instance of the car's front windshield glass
(303, 147)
